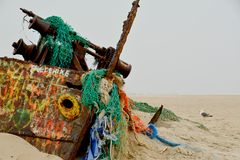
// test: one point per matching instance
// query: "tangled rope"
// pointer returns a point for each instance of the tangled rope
(109, 127)
(153, 133)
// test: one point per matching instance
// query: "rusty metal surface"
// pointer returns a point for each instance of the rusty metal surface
(29, 13)
(39, 25)
(127, 25)
(107, 58)
(36, 104)
(156, 116)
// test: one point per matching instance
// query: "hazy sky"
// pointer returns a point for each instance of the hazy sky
(175, 46)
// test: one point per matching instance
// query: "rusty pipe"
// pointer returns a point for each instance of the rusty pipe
(29, 13)
(123, 68)
(94, 54)
(27, 51)
(41, 26)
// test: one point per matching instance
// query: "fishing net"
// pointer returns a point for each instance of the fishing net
(91, 95)
(144, 107)
(94, 84)
(166, 115)
(60, 45)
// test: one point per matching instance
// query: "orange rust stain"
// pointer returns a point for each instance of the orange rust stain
(33, 106)
(5, 89)
(34, 89)
(49, 127)
(53, 89)
(11, 88)
(59, 128)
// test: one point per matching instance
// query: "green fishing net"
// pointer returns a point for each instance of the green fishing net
(144, 107)
(166, 115)
(60, 45)
(91, 97)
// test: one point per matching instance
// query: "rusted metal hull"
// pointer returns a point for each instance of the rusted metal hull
(36, 104)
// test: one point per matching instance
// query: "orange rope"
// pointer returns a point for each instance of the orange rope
(136, 123)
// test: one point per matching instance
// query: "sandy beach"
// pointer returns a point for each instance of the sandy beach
(212, 138)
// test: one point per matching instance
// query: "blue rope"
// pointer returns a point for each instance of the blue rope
(99, 135)
(154, 134)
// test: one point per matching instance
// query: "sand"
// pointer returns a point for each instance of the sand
(15, 148)
(213, 138)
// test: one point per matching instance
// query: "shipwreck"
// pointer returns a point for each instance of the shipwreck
(60, 105)
(48, 98)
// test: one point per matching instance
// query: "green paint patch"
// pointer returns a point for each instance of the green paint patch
(21, 118)
(9, 107)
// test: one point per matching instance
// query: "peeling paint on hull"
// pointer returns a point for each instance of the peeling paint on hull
(30, 106)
